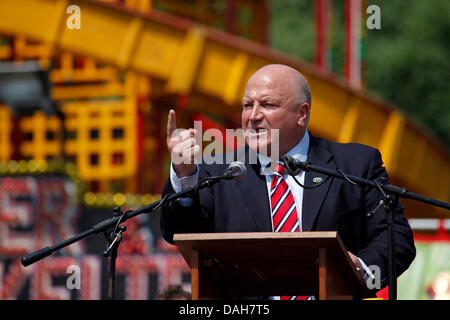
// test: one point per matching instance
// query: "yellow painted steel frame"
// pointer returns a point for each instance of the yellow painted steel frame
(210, 65)
(115, 156)
(5, 133)
(39, 146)
(95, 153)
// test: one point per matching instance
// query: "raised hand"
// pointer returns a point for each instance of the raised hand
(182, 147)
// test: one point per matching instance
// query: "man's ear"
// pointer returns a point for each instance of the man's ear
(303, 109)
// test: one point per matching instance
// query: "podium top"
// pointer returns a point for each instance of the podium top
(257, 235)
(270, 263)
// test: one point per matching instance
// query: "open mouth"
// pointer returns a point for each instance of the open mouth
(257, 131)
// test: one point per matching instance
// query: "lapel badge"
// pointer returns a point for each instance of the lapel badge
(317, 180)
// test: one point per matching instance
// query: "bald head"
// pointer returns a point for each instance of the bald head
(297, 81)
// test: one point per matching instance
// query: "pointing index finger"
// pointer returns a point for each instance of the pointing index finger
(171, 123)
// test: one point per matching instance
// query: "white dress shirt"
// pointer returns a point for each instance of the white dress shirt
(299, 152)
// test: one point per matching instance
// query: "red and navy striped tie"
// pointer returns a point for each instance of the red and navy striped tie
(284, 212)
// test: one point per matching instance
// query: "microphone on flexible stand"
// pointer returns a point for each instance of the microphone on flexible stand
(236, 170)
(293, 166)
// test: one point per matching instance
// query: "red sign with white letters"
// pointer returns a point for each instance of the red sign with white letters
(39, 211)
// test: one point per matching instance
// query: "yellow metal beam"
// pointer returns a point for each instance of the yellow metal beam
(183, 73)
(129, 42)
(392, 137)
(231, 93)
(5, 133)
(40, 20)
(349, 124)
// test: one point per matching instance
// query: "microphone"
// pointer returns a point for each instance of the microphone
(293, 166)
(236, 170)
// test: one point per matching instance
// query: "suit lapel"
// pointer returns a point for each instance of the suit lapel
(314, 198)
(253, 189)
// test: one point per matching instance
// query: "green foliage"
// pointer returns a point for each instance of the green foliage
(406, 62)
(292, 28)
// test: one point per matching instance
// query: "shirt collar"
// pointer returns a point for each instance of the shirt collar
(299, 152)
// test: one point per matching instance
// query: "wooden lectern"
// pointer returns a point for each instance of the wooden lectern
(262, 264)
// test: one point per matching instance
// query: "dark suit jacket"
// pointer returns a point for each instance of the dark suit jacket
(336, 205)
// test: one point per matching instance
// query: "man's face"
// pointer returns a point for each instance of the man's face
(268, 104)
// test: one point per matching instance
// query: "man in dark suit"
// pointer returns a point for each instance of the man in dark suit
(276, 109)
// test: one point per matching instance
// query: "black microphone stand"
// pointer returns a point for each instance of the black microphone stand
(115, 236)
(390, 193)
